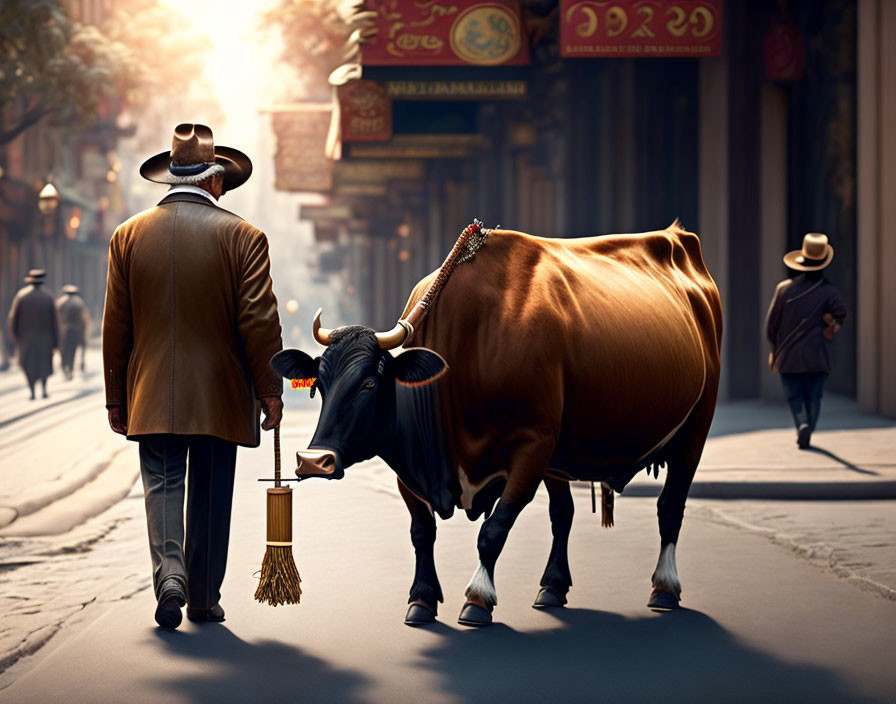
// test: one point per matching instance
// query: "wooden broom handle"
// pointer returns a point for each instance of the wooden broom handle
(277, 455)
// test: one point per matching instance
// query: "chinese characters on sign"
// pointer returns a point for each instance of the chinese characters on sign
(452, 33)
(365, 111)
(640, 28)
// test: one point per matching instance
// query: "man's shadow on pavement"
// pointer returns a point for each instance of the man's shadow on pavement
(679, 656)
(233, 670)
(846, 463)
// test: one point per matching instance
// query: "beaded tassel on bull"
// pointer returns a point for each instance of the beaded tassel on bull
(279, 582)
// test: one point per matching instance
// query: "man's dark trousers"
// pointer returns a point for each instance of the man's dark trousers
(200, 561)
(804, 393)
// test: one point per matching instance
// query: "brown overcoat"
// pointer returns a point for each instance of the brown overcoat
(34, 326)
(190, 322)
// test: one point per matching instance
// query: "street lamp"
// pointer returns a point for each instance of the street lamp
(48, 199)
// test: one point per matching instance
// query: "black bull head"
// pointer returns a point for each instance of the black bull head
(357, 377)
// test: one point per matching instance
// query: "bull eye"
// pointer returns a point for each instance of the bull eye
(369, 384)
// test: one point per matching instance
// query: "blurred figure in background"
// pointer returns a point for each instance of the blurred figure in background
(33, 325)
(805, 314)
(74, 320)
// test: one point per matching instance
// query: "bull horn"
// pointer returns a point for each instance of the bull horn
(396, 336)
(322, 335)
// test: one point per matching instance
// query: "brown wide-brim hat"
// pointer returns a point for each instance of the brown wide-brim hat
(35, 276)
(194, 157)
(70, 288)
(816, 253)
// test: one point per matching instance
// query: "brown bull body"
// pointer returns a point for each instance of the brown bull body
(583, 357)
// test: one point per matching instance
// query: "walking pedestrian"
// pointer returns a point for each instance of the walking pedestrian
(74, 320)
(189, 328)
(33, 325)
(805, 314)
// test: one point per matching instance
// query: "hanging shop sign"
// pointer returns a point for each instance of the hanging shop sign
(451, 33)
(640, 28)
(457, 90)
(301, 162)
(365, 111)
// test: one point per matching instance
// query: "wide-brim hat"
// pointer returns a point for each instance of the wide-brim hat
(70, 288)
(35, 276)
(194, 158)
(816, 253)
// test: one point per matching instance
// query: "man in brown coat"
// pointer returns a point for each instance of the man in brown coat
(189, 328)
(32, 323)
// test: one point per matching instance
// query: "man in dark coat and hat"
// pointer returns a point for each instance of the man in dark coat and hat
(74, 320)
(189, 328)
(33, 325)
(805, 314)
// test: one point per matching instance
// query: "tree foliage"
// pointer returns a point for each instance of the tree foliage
(319, 37)
(51, 65)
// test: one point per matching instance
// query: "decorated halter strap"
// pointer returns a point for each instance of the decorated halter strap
(468, 243)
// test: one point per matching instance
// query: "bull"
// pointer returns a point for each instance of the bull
(541, 361)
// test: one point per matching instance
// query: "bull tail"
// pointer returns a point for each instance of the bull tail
(607, 500)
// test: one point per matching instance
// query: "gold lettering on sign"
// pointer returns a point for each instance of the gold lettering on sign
(643, 30)
(617, 21)
(707, 21)
(677, 26)
(588, 27)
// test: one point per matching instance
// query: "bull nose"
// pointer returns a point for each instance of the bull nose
(316, 463)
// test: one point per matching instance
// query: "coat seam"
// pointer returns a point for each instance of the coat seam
(173, 317)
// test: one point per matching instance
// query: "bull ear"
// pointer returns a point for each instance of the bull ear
(295, 364)
(419, 366)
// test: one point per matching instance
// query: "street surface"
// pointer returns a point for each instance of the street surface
(784, 600)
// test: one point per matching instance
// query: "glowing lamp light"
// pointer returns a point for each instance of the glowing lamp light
(48, 199)
(292, 305)
(350, 290)
(403, 230)
(403, 255)
(74, 222)
(111, 176)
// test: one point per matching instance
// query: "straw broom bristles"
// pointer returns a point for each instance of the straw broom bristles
(280, 582)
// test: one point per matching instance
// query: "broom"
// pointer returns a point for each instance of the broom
(280, 582)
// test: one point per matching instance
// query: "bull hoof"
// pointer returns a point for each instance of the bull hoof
(548, 598)
(662, 599)
(419, 615)
(474, 616)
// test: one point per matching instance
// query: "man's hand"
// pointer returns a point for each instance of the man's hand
(273, 411)
(117, 420)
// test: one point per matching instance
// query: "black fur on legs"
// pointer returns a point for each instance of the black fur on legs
(561, 508)
(426, 587)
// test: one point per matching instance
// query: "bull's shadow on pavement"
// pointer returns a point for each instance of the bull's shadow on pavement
(596, 656)
(233, 670)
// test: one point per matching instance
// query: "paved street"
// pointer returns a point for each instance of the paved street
(785, 600)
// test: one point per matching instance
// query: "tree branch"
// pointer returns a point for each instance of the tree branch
(31, 117)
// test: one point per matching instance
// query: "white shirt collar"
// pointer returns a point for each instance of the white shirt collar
(188, 188)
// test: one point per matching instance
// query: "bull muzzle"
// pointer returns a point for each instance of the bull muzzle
(318, 463)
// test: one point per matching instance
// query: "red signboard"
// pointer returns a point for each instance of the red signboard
(366, 111)
(451, 33)
(640, 28)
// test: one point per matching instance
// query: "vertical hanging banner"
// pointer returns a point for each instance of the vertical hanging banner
(366, 111)
(455, 33)
(640, 28)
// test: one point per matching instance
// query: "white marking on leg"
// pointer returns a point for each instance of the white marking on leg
(665, 575)
(481, 588)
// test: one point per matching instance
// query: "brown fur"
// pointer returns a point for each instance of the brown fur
(582, 355)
